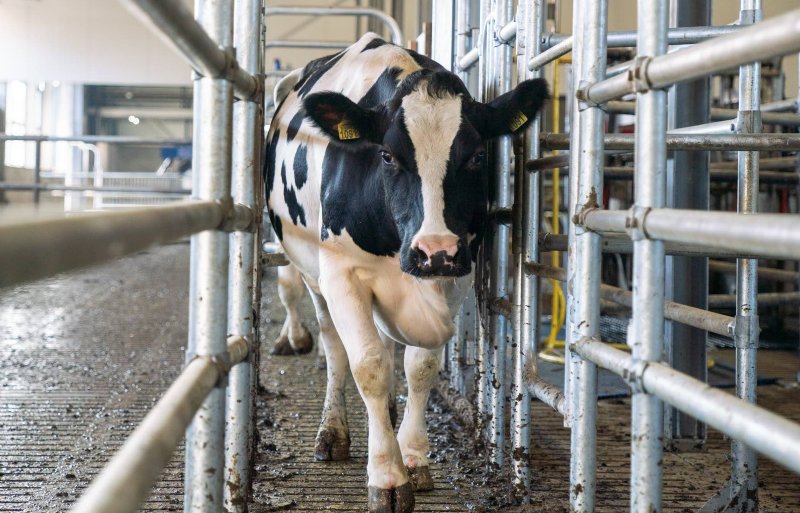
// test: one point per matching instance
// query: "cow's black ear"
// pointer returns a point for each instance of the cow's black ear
(342, 120)
(511, 111)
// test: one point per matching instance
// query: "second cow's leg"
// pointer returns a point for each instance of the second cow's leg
(392, 399)
(422, 369)
(350, 305)
(294, 337)
(333, 437)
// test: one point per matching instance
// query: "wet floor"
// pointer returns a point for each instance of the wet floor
(85, 355)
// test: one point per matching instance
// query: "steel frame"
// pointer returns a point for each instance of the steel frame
(650, 231)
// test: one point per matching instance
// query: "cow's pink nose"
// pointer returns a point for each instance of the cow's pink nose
(433, 244)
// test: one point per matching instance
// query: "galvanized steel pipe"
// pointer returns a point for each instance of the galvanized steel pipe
(754, 142)
(174, 22)
(36, 247)
(774, 37)
(391, 24)
(125, 482)
(768, 433)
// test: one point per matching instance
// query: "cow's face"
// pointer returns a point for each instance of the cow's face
(429, 147)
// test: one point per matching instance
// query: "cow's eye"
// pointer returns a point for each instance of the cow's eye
(477, 159)
(387, 158)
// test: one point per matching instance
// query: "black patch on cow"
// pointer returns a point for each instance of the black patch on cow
(375, 43)
(276, 224)
(425, 62)
(383, 88)
(294, 125)
(269, 161)
(300, 166)
(314, 70)
(353, 198)
(323, 233)
(296, 210)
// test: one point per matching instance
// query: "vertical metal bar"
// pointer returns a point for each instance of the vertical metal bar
(571, 103)
(744, 463)
(497, 428)
(208, 302)
(647, 333)
(687, 277)
(454, 352)
(37, 171)
(247, 136)
(483, 381)
(530, 25)
(586, 285)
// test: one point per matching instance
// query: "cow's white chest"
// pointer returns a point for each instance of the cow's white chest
(409, 310)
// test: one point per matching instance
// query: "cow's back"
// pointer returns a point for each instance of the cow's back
(367, 73)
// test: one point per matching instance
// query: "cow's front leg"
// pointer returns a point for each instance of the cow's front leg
(422, 369)
(350, 304)
(333, 437)
(294, 337)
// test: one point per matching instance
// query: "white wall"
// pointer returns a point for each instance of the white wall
(84, 41)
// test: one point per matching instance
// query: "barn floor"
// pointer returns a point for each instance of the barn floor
(83, 357)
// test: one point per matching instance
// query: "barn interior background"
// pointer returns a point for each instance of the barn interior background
(96, 114)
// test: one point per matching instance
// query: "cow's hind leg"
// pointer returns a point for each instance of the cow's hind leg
(422, 369)
(351, 309)
(294, 337)
(333, 437)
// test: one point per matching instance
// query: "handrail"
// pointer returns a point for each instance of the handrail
(391, 24)
(125, 481)
(114, 139)
(175, 23)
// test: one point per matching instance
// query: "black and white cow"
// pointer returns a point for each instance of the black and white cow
(377, 188)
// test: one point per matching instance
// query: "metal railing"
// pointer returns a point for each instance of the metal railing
(648, 230)
(223, 219)
(388, 21)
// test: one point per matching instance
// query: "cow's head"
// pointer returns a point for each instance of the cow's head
(429, 146)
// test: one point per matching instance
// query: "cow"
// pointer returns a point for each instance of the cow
(376, 180)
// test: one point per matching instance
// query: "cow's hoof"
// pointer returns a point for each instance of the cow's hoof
(331, 445)
(321, 363)
(395, 500)
(284, 347)
(420, 478)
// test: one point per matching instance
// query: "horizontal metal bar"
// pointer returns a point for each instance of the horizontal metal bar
(764, 273)
(622, 244)
(114, 139)
(675, 36)
(771, 38)
(6, 186)
(174, 21)
(741, 142)
(764, 299)
(549, 394)
(768, 433)
(719, 114)
(560, 161)
(716, 175)
(551, 54)
(689, 315)
(469, 59)
(391, 24)
(126, 480)
(765, 235)
(35, 247)
(330, 45)
(763, 164)
(508, 32)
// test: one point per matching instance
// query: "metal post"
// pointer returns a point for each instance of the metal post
(530, 22)
(248, 130)
(586, 281)
(687, 277)
(37, 172)
(209, 265)
(503, 200)
(647, 333)
(744, 475)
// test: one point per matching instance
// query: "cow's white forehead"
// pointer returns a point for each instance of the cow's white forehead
(432, 124)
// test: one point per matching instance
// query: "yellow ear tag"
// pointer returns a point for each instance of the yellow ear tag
(347, 132)
(517, 121)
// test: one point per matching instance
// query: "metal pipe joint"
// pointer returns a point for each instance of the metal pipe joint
(238, 349)
(634, 222)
